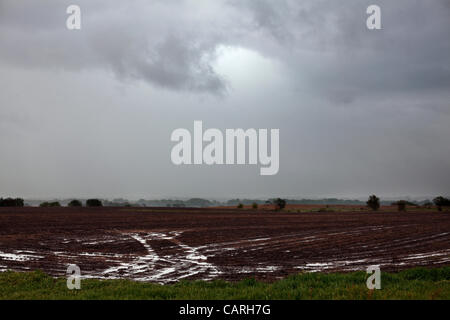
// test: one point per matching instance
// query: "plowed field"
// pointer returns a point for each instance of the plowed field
(166, 245)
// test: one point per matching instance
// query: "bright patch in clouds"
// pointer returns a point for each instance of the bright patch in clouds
(247, 69)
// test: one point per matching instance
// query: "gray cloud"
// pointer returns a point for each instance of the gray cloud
(359, 111)
(329, 44)
(140, 45)
(170, 46)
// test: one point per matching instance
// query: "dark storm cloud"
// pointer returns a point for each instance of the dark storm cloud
(127, 38)
(168, 45)
(329, 43)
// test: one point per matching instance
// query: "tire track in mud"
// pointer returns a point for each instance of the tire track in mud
(184, 263)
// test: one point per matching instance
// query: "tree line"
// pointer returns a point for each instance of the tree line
(439, 202)
(19, 202)
(373, 203)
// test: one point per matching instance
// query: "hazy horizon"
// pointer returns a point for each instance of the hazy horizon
(224, 199)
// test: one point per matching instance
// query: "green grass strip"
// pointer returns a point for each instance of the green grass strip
(418, 283)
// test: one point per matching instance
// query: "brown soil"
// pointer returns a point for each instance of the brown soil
(167, 244)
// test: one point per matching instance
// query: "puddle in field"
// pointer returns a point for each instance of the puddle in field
(264, 269)
(184, 262)
(446, 254)
(343, 265)
(172, 262)
(179, 261)
(161, 257)
(20, 255)
(361, 264)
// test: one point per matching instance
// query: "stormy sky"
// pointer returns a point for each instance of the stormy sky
(90, 112)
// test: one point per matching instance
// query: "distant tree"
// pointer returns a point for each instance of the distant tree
(240, 206)
(50, 204)
(428, 204)
(198, 202)
(93, 203)
(75, 203)
(279, 203)
(18, 202)
(10, 202)
(255, 205)
(441, 202)
(373, 202)
(401, 205)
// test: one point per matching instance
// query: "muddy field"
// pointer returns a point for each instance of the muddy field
(166, 245)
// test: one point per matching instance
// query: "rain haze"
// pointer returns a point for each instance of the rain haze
(90, 112)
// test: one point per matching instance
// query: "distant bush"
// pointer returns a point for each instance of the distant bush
(255, 205)
(373, 202)
(279, 204)
(94, 203)
(50, 204)
(10, 202)
(240, 206)
(428, 205)
(327, 209)
(406, 203)
(401, 205)
(75, 203)
(441, 202)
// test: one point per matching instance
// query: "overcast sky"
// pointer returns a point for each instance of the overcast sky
(90, 112)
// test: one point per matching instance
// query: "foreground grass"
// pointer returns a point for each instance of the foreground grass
(417, 283)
